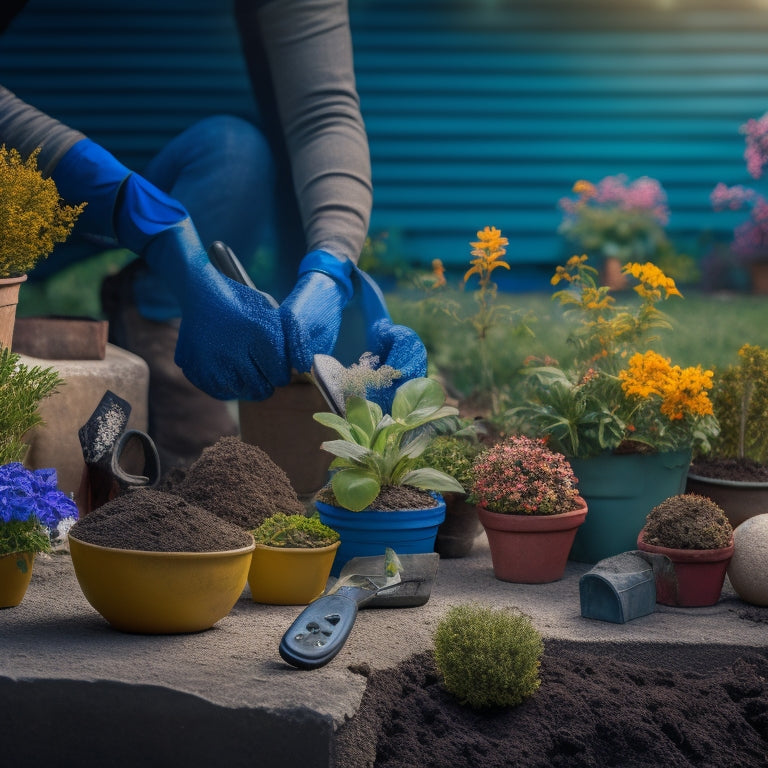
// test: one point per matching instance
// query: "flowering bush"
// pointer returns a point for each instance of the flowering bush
(617, 218)
(750, 239)
(613, 397)
(521, 476)
(31, 508)
(32, 218)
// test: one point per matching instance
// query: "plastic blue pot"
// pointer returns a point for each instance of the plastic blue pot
(620, 490)
(369, 533)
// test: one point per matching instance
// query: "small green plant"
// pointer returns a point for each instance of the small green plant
(454, 454)
(377, 449)
(32, 218)
(740, 402)
(521, 476)
(688, 521)
(486, 657)
(21, 391)
(281, 530)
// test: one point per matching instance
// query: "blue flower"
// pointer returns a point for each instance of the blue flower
(26, 494)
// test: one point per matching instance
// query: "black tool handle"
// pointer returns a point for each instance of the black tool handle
(319, 632)
(223, 258)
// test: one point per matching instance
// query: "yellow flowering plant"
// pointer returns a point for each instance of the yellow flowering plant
(612, 397)
(32, 217)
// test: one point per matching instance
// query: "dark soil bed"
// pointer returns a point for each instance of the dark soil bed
(598, 705)
(743, 470)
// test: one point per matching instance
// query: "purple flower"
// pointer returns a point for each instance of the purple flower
(27, 494)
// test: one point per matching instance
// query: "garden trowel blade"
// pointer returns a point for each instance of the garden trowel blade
(328, 374)
(416, 579)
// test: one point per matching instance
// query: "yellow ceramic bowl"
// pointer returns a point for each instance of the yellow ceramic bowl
(160, 592)
(289, 575)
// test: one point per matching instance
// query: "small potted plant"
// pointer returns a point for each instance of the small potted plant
(32, 511)
(735, 472)
(694, 533)
(32, 220)
(455, 455)
(379, 496)
(530, 509)
(292, 559)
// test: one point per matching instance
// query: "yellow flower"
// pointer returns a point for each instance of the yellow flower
(487, 251)
(652, 281)
(438, 273)
(584, 188)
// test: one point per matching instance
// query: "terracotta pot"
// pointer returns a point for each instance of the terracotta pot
(289, 575)
(457, 533)
(531, 549)
(700, 574)
(9, 298)
(15, 575)
(739, 500)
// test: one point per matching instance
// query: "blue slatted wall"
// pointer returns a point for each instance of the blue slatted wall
(479, 111)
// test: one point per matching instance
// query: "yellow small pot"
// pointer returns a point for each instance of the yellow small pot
(160, 592)
(289, 575)
(15, 575)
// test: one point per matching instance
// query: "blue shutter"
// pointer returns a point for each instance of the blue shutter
(480, 112)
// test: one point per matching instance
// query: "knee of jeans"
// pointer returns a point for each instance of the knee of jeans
(233, 141)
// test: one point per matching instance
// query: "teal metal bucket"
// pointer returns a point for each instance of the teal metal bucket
(620, 490)
(369, 533)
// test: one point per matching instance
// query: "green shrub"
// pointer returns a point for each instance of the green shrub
(487, 657)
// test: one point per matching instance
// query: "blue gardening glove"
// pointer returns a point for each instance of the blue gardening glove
(230, 341)
(311, 314)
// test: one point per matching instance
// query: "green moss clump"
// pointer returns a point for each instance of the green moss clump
(688, 521)
(486, 657)
(454, 456)
(282, 530)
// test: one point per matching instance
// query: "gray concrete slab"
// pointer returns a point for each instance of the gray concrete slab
(86, 694)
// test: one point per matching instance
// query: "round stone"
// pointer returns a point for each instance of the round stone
(748, 569)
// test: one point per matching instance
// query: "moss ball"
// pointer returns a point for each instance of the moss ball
(486, 657)
(688, 521)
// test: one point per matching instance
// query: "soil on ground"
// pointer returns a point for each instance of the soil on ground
(675, 706)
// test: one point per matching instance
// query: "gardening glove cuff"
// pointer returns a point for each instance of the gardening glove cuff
(311, 315)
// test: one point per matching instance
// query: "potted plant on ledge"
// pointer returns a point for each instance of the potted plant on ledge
(529, 506)
(292, 559)
(378, 496)
(735, 473)
(627, 420)
(694, 533)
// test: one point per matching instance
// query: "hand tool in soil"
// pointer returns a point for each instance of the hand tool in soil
(327, 372)
(108, 448)
(322, 628)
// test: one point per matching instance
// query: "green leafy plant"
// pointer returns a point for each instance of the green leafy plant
(455, 455)
(486, 657)
(31, 508)
(611, 396)
(521, 476)
(32, 217)
(688, 521)
(377, 449)
(301, 531)
(22, 389)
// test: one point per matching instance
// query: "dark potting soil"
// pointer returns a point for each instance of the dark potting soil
(390, 499)
(744, 470)
(238, 482)
(155, 521)
(594, 709)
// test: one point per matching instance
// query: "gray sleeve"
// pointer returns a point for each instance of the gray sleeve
(25, 128)
(309, 49)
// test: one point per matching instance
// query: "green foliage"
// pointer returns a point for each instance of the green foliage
(740, 401)
(688, 521)
(282, 530)
(486, 657)
(23, 536)
(378, 449)
(454, 454)
(21, 390)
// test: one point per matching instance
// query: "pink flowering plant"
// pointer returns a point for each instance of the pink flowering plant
(32, 509)
(617, 218)
(521, 476)
(750, 238)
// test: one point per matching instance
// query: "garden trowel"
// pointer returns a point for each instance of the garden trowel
(322, 628)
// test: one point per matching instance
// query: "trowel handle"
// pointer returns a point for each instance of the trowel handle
(319, 632)
(223, 258)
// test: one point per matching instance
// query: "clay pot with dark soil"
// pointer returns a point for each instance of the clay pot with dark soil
(696, 536)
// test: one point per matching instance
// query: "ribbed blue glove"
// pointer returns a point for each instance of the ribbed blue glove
(231, 341)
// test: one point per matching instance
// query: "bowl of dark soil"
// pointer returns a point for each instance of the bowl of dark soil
(151, 563)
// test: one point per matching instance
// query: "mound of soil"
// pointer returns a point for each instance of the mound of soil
(672, 706)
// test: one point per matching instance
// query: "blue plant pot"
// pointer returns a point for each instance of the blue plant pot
(369, 533)
(620, 490)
